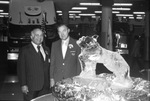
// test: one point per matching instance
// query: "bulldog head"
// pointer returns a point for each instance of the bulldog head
(87, 42)
(89, 46)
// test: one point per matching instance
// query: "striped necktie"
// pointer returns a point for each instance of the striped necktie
(39, 52)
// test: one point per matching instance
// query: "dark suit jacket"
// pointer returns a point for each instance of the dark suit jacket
(69, 66)
(31, 70)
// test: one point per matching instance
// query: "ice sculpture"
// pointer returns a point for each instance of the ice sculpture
(92, 53)
(87, 86)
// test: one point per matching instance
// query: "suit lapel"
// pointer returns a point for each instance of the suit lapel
(68, 50)
(60, 49)
(33, 51)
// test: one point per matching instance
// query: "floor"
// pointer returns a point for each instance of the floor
(9, 84)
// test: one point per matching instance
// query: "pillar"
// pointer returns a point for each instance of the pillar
(65, 16)
(65, 6)
(146, 43)
(106, 15)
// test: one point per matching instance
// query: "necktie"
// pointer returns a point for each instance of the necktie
(39, 52)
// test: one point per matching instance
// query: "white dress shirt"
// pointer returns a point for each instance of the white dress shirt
(41, 49)
(64, 47)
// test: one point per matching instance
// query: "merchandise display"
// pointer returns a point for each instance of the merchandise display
(88, 86)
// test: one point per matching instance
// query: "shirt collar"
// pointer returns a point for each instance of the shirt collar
(35, 45)
(66, 41)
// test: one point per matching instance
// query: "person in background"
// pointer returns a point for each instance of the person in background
(33, 67)
(64, 56)
(136, 47)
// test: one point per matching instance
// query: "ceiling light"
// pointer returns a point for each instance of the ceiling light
(138, 12)
(86, 14)
(1, 10)
(74, 11)
(59, 11)
(101, 11)
(1, 16)
(98, 11)
(4, 13)
(90, 4)
(74, 17)
(115, 12)
(131, 17)
(139, 17)
(124, 14)
(81, 8)
(121, 9)
(122, 4)
(93, 16)
(4, 2)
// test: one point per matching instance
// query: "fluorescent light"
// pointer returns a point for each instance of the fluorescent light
(4, 2)
(139, 17)
(1, 10)
(127, 9)
(122, 4)
(74, 11)
(70, 11)
(90, 4)
(138, 12)
(115, 12)
(97, 17)
(59, 11)
(81, 8)
(98, 11)
(4, 13)
(93, 16)
(124, 14)
(86, 14)
(1, 16)
(101, 11)
(74, 17)
(131, 17)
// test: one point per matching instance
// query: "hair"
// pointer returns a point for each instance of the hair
(61, 24)
(35, 29)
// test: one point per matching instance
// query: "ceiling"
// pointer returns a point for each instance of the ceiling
(138, 5)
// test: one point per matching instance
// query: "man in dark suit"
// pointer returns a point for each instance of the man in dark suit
(64, 56)
(33, 67)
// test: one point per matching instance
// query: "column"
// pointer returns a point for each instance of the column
(146, 43)
(106, 15)
(65, 16)
(65, 6)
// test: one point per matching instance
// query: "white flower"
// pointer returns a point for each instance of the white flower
(70, 46)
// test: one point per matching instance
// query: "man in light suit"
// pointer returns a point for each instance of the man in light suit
(33, 67)
(64, 56)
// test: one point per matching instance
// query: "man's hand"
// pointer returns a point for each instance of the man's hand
(25, 89)
(52, 82)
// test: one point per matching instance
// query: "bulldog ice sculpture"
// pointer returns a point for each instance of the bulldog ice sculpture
(115, 86)
(92, 53)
